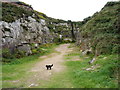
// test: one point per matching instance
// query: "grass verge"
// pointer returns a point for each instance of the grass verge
(14, 73)
(104, 74)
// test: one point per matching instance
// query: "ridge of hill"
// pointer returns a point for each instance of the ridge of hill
(100, 34)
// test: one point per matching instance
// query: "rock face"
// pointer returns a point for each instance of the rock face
(68, 30)
(23, 28)
(24, 32)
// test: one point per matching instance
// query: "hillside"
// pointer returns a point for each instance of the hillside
(100, 34)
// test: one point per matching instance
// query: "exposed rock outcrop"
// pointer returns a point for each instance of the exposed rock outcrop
(23, 28)
(24, 32)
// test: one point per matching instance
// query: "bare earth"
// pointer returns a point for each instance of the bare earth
(41, 73)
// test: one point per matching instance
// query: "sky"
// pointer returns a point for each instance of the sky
(75, 10)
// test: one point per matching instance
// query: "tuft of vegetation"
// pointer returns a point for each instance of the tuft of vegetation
(41, 15)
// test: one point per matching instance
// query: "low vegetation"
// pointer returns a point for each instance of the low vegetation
(13, 12)
(15, 71)
(19, 56)
(103, 73)
(101, 30)
(103, 77)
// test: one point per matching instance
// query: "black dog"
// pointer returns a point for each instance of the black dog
(49, 66)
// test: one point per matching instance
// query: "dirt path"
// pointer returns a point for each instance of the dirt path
(39, 70)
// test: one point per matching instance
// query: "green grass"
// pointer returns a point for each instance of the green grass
(18, 69)
(102, 77)
(59, 80)
(74, 76)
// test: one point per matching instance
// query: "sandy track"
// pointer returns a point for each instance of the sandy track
(56, 59)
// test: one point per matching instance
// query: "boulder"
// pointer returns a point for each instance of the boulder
(31, 19)
(26, 48)
(42, 22)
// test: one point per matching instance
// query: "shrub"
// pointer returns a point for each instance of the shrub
(116, 49)
(12, 12)
(9, 57)
(7, 54)
(19, 54)
(35, 51)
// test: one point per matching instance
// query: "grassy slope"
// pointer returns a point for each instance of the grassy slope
(102, 29)
(18, 69)
(105, 76)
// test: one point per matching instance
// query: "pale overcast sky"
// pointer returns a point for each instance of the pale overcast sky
(75, 10)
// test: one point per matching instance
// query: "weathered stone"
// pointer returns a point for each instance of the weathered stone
(68, 39)
(25, 48)
(42, 22)
(87, 51)
(7, 34)
(25, 31)
(31, 19)
(5, 24)
(45, 30)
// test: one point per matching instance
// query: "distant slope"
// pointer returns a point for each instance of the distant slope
(100, 34)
